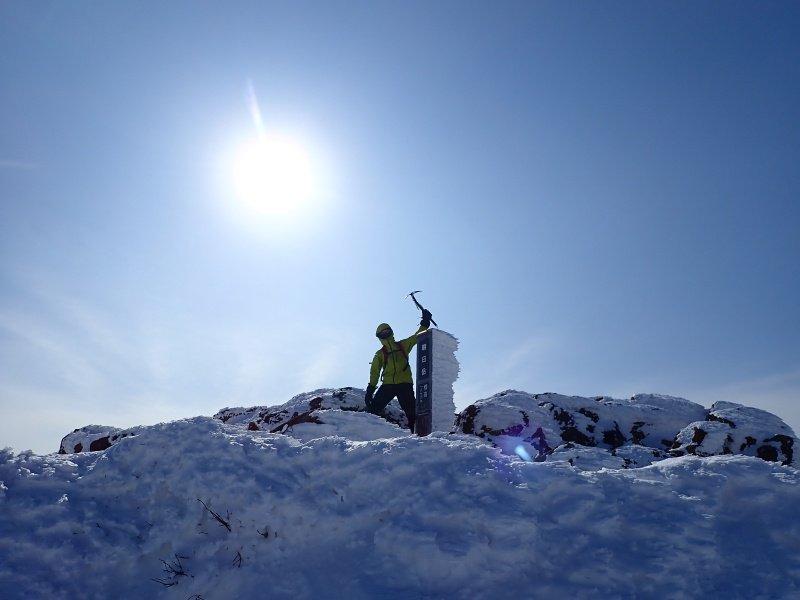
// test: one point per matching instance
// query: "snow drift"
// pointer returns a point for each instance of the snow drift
(316, 498)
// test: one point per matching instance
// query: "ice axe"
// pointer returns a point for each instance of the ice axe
(419, 306)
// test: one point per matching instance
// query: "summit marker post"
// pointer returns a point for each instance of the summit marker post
(437, 371)
(424, 383)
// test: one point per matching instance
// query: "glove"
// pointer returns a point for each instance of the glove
(426, 318)
(368, 397)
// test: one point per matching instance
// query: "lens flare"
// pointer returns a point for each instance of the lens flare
(522, 453)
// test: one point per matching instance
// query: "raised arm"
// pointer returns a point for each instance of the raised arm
(424, 325)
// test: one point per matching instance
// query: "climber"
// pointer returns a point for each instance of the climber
(396, 379)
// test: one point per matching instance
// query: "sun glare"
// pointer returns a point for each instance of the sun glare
(273, 175)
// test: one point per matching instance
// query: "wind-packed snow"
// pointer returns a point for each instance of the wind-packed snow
(445, 372)
(341, 503)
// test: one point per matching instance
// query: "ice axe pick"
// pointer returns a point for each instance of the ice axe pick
(419, 306)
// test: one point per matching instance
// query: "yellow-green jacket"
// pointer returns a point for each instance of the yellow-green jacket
(395, 367)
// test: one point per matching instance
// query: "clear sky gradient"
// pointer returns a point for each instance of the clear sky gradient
(596, 198)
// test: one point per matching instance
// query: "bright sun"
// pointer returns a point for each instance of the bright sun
(273, 175)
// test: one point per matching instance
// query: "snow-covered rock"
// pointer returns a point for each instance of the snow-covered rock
(634, 455)
(703, 438)
(302, 408)
(586, 458)
(348, 424)
(592, 458)
(92, 438)
(646, 419)
(656, 418)
(399, 517)
(661, 423)
(735, 429)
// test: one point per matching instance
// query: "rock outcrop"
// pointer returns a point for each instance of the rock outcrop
(304, 408)
(732, 428)
(92, 438)
(664, 425)
(645, 419)
(586, 432)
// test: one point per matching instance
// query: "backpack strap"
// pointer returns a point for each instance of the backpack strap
(402, 350)
(405, 355)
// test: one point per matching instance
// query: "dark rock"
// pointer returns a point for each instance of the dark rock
(99, 444)
(572, 434)
(787, 446)
(748, 441)
(726, 447)
(699, 435)
(466, 419)
(306, 417)
(719, 419)
(769, 453)
(637, 435)
(614, 437)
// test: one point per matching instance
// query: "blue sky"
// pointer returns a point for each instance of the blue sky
(596, 198)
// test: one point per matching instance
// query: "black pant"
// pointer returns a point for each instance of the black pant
(404, 393)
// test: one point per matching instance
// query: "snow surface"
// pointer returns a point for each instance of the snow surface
(340, 503)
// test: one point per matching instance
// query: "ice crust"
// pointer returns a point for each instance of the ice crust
(445, 372)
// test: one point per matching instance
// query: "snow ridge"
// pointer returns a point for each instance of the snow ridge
(401, 517)
(317, 498)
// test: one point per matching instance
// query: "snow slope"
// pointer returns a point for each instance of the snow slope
(340, 503)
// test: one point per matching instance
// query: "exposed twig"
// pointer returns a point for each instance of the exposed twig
(237, 560)
(216, 516)
(174, 570)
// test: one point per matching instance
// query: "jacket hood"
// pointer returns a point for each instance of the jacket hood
(383, 327)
